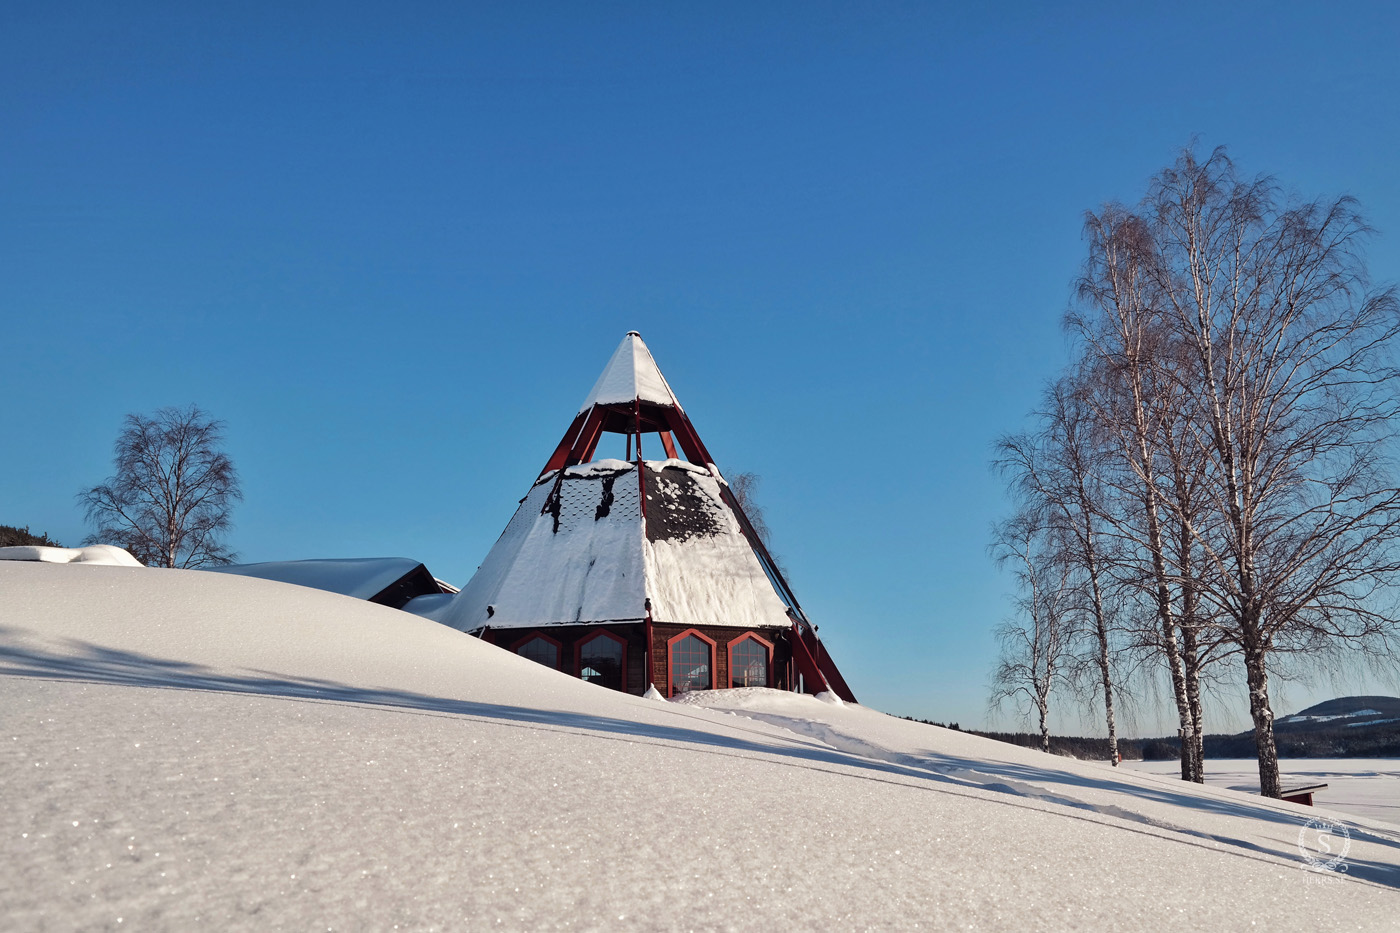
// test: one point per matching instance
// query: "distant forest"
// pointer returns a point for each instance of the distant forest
(1319, 741)
(12, 536)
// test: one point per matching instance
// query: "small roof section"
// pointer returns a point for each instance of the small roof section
(362, 578)
(630, 375)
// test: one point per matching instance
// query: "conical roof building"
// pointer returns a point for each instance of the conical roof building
(636, 572)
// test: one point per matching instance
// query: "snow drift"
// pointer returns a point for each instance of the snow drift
(189, 749)
(104, 554)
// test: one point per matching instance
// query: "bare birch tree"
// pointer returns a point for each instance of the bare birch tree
(1236, 367)
(1294, 392)
(1123, 343)
(1059, 470)
(745, 489)
(1035, 643)
(170, 500)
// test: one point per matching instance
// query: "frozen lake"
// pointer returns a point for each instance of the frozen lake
(1368, 787)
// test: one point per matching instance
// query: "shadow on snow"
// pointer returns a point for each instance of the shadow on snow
(90, 663)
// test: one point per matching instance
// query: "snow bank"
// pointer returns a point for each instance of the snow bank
(103, 554)
(187, 750)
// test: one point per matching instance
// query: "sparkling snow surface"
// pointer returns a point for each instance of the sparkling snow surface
(631, 374)
(192, 750)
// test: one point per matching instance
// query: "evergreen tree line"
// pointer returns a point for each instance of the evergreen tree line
(1207, 490)
(14, 536)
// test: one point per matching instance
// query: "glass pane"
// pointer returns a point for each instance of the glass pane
(540, 651)
(750, 664)
(690, 665)
(600, 662)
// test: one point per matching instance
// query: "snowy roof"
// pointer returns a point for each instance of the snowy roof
(360, 577)
(630, 375)
(578, 551)
(107, 554)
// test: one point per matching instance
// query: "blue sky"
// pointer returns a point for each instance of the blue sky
(393, 245)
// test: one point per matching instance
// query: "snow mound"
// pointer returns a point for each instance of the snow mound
(103, 554)
(190, 750)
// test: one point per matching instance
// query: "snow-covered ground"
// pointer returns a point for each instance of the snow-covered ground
(190, 749)
(1362, 786)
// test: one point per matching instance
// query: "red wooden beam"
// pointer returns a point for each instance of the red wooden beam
(829, 671)
(559, 459)
(679, 425)
(806, 664)
(641, 468)
(588, 435)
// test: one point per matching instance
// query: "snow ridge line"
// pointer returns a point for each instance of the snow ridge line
(969, 777)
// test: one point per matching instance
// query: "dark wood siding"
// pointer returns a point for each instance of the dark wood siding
(634, 633)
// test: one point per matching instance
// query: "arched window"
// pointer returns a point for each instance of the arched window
(749, 658)
(602, 659)
(692, 662)
(540, 649)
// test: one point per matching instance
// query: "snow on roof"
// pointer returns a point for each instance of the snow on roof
(586, 556)
(702, 572)
(630, 375)
(589, 570)
(429, 605)
(106, 554)
(360, 577)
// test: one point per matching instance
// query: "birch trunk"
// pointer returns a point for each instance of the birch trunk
(1260, 710)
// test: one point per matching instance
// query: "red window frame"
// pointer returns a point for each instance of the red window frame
(670, 643)
(602, 633)
(767, 646)
(558, 647)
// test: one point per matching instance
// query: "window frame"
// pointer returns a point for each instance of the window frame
(536, 633)
(767, 647)
(601, 633)
(670, 644)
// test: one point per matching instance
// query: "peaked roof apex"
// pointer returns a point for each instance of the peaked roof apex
(631, 375)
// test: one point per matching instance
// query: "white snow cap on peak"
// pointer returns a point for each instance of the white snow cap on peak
(630, 374)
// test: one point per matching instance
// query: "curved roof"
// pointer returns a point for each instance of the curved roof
(362, 578)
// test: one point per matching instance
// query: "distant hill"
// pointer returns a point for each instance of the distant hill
(1347, 727)
(1343, 712)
